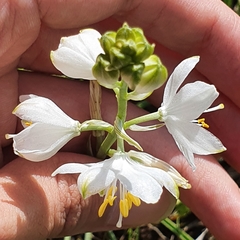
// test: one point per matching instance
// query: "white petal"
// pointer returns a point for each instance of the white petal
(94, 180)
(177, 77)
(71, 64)
(139, 183)
(192, 138)
(77, 54)
(164, 179)
(71, 168)
(41, 141)
(40, 109)
(90, 39)
(192, 100)
(151, 161)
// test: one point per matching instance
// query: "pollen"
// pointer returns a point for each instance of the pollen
(202, 122)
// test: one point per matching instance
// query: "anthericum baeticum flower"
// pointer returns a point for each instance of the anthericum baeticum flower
(180, 109)
(123, 172)
(76, 55)
(46, 128)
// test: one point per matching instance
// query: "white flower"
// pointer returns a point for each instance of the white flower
(76, 55)
(46, 128)
(180, 109)
(134, 180)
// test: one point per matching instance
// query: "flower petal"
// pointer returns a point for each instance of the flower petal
(151, 161)
(77, 54)
(139, 183)
(40, 109)
(71, 168)
(184, 103)
(40, 141)
(191, 138)
(94, 180)
(177, 77)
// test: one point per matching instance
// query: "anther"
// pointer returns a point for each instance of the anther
(202, 122)
(123, 206)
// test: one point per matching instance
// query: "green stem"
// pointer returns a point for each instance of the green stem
(106, 144)
(121, 94)
(122, 112)
(142, 119)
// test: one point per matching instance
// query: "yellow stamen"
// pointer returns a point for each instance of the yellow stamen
(123, 206)
(202, 122)
(133, 199)
(109, 199)
(103, 207)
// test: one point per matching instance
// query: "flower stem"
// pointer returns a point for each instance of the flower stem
(121, 113)
(142, 119)
(121, 94)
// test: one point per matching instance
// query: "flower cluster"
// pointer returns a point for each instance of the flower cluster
(124, 62)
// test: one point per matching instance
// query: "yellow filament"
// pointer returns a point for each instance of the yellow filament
(202, 122)
(135, 200)
(123, 206)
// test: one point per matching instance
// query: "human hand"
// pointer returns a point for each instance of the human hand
(185, 43)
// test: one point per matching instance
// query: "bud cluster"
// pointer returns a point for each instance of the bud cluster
(129, 57)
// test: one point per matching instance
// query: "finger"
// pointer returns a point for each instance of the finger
(196, 28)
(213, 197)
(43, 206)
(223, 123)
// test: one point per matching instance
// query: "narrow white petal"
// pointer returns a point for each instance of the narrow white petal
(71, 168)
(151, 161)
(177, 77)
(139, 183)
(40, 109)
(94, 180)
(77, 54)
(192, 100)
(71, 64)
(90, 39)
(41, 141)
(191, 138)
(164, 179)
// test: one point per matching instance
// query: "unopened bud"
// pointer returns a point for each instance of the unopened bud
(144, 49)
(108, 41)
(105, 77)
(132, 74)
(154, 75)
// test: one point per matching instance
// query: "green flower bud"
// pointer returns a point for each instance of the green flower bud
(154, 75)
(144, 49)
(108, 41)
(132, 74)
(125, 40)
(105, 77)
(118, 59)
